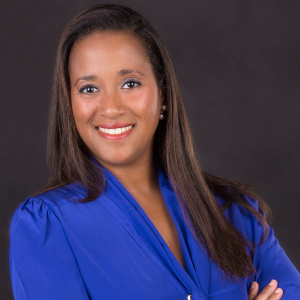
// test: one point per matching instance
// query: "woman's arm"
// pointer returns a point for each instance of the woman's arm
(270, 260)
(42, 263)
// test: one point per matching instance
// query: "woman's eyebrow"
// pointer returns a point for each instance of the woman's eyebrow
(129, 71)
(86, 77)
(122, 73)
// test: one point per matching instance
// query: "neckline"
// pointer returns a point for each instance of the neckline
(163, 179)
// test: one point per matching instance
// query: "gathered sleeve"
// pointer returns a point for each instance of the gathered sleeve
(42, 263)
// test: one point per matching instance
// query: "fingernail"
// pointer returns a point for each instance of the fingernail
(272, 282)
(253, 284)
(278, 291)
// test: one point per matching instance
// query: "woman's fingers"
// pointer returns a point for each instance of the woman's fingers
(253, 291)
(276, 295)
(269, 292)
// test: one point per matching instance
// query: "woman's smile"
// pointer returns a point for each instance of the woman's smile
(115, 131)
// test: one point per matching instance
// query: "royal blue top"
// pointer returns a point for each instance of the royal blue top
(109, 249)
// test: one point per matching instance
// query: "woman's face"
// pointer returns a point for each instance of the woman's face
(115, 99)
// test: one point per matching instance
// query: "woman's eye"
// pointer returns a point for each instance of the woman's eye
(131, 84)
(88, 89)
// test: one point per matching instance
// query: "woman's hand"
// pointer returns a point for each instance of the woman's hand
(270, 291)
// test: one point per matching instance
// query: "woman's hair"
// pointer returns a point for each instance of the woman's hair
(70, 160)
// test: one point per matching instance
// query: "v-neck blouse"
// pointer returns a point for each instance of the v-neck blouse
(109, 249)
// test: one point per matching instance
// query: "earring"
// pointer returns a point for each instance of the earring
(162, 111)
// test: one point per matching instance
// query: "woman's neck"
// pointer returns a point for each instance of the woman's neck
(139, 178)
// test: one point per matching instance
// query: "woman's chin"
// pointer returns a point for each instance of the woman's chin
(115, 161)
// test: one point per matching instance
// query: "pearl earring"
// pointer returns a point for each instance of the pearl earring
(162, 111)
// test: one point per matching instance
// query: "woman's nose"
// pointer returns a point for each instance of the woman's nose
(111, 105)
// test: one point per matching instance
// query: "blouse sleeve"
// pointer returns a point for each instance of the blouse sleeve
(270, 260)
(42, 263)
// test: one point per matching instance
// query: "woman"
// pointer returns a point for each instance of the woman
(127, 213)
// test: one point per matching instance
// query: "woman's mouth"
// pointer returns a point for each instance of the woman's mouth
(114, 131)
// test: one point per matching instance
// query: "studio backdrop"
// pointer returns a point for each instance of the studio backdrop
(238, 67)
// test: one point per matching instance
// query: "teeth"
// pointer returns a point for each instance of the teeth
(115, 130)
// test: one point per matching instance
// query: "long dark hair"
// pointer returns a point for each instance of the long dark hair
(70, 160)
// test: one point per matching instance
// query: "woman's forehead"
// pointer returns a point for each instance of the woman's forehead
(110, 50)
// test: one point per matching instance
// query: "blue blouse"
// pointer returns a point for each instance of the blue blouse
(109, 249)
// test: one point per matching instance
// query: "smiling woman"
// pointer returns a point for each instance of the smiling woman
(127, 213)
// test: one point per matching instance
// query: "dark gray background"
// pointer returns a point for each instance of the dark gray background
(238, 67)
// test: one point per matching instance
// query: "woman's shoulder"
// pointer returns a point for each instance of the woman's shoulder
(233, 208)
(46, 205)
(242, 206)
(246, 216)
(61, 195)
(55, 197)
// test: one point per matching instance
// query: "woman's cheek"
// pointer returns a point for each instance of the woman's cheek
(83, 109)
(145, 101)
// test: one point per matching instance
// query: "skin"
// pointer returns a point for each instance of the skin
(269, 292)
(111, 97)
(112, 82)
